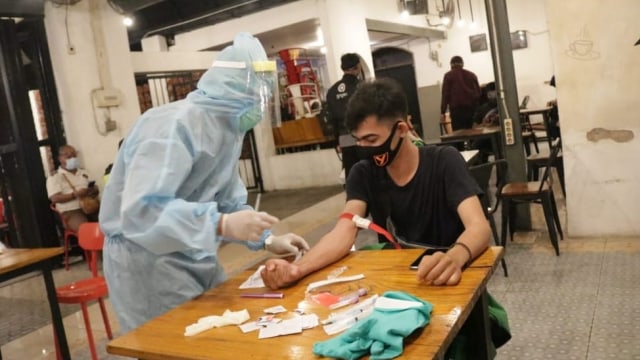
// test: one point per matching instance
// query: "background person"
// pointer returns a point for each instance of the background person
(460, 93)
(61, 192)
(554, 119)
(337, 98)
(175, 193)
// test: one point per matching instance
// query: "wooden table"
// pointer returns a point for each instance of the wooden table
(162, 338)
(492, 133)
(16, 262)
(538, 111)
(464, 135)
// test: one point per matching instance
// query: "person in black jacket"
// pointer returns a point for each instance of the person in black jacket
(337, 99)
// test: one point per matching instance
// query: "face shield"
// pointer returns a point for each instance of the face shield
(267, 76)
(259, 91)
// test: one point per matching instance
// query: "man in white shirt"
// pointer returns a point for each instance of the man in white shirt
(67, 185)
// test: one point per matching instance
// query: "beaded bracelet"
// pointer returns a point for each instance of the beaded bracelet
(466, 264)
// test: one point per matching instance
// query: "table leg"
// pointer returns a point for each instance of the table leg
(496, 146)
(56, 316)
(478, 323)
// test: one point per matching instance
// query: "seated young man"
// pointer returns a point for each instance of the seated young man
(427, 192)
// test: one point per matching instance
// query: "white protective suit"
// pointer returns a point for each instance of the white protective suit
(175, 174)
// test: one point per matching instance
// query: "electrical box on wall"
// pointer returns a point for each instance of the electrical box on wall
(107, 97)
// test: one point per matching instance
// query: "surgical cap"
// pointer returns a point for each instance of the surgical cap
(236, 88)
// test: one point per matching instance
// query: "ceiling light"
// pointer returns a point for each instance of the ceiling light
(323, 50)
(127, 21)
(460, 23)
(446, 20)
(473, 25)
(404, 14)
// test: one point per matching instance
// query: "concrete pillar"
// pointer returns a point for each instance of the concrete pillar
(155, 43)
(500, 38)
(345, 30)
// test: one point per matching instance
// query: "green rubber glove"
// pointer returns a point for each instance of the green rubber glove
(381, 334)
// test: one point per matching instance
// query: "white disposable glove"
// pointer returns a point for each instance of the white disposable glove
(246, 224)
(285, 244)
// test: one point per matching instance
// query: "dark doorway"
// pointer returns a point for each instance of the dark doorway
(397, 64)
(27, 144)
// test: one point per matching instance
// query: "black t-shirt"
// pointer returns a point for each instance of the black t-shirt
(425, 209)
(337, 99)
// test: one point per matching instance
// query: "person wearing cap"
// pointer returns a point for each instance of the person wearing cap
(337, 99)
(175, 194)
(460, 93)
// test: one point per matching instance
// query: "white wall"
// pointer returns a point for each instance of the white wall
(76, 75)
(598, 87)
(305, 169)
(315, 168)
(157, 61)
(343, 26)
(214, 35)
(533, 65)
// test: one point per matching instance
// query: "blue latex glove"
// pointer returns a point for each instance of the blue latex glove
(380, 334)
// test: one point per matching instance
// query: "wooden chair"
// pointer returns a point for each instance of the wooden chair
(535, 162)
(482, 174)
(82, 292)
(545, 126)
(525, 102)
(528, 135)
(536, 192)
(67, 234)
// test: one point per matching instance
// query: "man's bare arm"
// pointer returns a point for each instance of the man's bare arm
(335, 244)
(446, 268)
(476, 234)
(61, 198)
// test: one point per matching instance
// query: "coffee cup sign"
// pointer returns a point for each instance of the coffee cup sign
(581, 47)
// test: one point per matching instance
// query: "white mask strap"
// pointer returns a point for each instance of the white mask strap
(229, 64)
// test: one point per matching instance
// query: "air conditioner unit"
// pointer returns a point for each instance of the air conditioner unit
(415, 7)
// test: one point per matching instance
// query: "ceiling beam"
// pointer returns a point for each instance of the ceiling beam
(22, 8)
(394, 28)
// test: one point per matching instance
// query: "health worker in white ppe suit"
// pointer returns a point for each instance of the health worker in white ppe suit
(175, 193)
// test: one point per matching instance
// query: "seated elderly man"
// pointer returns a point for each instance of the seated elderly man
(427, 193)
(67, 185)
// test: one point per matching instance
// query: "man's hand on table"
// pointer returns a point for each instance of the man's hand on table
(439, 269)
(280, 273)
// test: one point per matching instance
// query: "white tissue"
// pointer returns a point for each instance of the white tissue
(209, 322)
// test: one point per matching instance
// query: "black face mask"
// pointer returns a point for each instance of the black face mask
(382, 155)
